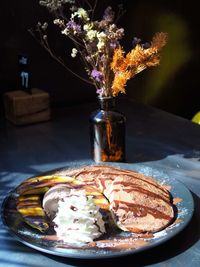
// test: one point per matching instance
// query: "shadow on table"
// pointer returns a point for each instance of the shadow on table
(172, 248)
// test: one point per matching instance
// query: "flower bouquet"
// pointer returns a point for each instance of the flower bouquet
(97, 43)
(108, 66)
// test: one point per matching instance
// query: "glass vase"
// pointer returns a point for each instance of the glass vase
(107, 132)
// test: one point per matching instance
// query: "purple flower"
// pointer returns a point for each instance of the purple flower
(73, 26)
(146, 45)
(108, 14)
(114, 44)
(97, 75)
(99, 91)
(136, 41)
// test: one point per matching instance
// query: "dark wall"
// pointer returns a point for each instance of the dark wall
(173, 86)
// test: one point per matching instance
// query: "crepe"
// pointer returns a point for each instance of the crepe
(138, 203)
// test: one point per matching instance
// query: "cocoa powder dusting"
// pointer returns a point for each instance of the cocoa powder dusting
(177, 200)
(108, 244)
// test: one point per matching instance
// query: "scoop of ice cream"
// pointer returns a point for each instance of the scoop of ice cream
(78, 218)
(52, 197)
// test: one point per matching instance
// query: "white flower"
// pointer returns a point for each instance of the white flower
(44, 26)
(88, 26)
(74, 52)
(81, 13)
(101, 36)
(65, 32)
(53, 5)
(58, 22)
(101, 45)
(91, 34)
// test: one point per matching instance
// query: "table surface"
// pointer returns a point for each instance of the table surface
(155, 139)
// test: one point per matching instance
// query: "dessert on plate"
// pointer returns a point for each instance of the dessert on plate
(79, 203)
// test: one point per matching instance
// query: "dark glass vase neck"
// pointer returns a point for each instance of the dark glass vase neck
(107, 103)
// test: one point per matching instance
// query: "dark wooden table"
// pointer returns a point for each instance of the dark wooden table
(155, 139)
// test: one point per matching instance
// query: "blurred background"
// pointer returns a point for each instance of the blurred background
(173, 86)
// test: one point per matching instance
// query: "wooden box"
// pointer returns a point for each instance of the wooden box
(23, 108)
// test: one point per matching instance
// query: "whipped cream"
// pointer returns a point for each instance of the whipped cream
(52, 197)
(78, 219)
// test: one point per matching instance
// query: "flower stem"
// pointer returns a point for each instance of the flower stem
(59, 60)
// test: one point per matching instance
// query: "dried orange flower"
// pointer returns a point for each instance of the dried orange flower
(159, 40)
(120, 81)
(119, 61)
(138, 59)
